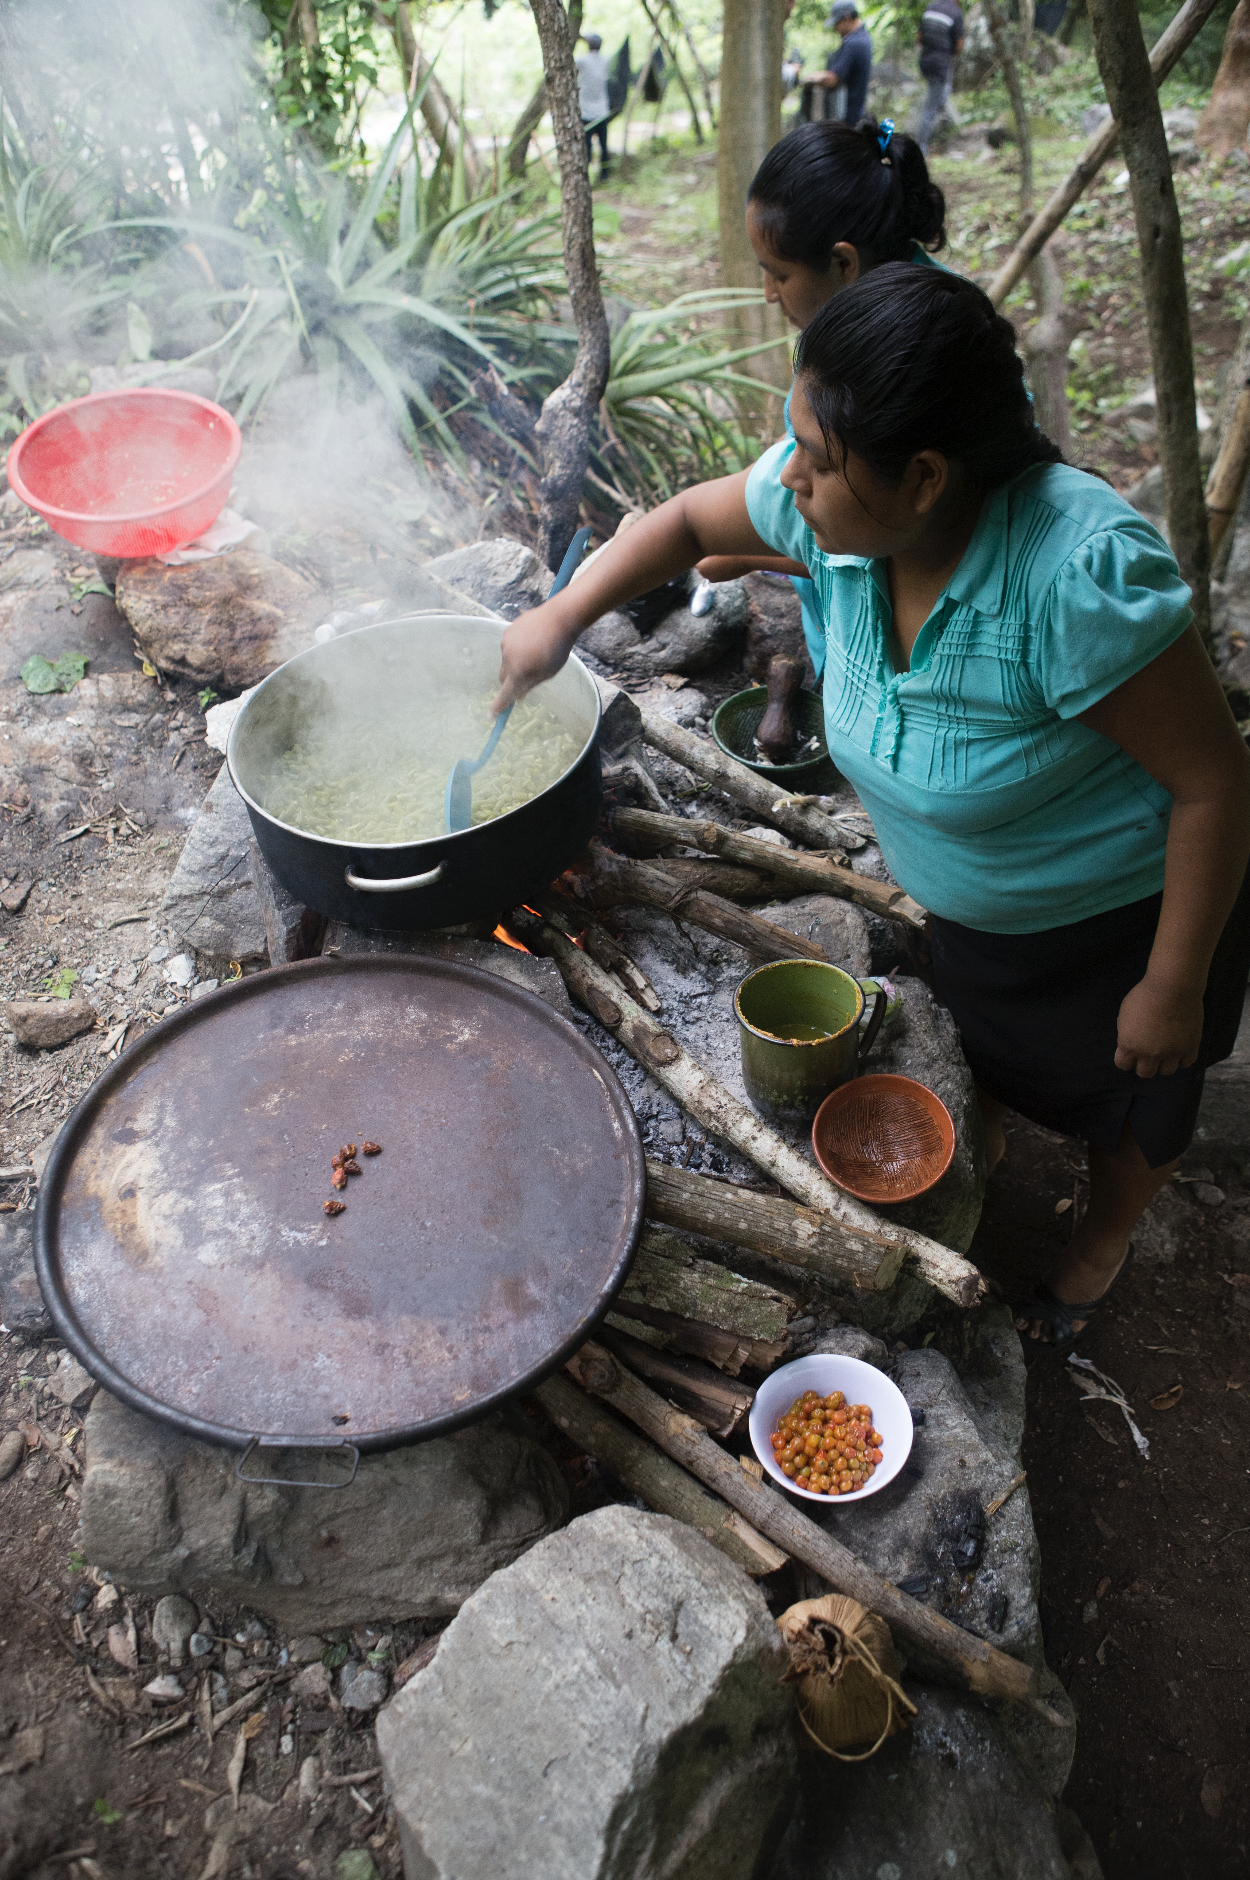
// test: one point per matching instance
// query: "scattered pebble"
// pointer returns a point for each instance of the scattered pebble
(173, 1623)
(181, 970)
(1209, 1195)
(12, 1452)
(167, 1689)
(205, 985)
(286, 1743)
(157, 954)
(70, 1384)
(200, 1644)
(361, 1687)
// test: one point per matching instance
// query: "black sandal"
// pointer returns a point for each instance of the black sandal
(1059, 1313)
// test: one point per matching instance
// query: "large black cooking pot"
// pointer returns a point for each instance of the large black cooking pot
(364, 679)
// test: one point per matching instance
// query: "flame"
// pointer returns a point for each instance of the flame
(501, 933)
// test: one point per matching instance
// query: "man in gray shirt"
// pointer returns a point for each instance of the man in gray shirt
(592, 80)
(941, 40)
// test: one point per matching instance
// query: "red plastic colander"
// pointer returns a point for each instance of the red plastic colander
(128, 473)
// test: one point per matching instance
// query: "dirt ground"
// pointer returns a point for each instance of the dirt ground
(1145, 1592)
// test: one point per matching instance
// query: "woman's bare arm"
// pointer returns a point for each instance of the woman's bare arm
(710, 519)
(1172, 717)
(733, 567)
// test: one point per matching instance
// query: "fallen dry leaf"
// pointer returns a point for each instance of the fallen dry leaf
(1061, 1207)
(1168, 1399)
(1102, 1587)
(1232, 1384)
(253, 1727)
(234, 1771)
(1212, 1795)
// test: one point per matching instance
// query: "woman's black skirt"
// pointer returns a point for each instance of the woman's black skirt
(1038, 1015)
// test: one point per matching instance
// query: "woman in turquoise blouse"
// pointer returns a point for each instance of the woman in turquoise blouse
(1014, 687)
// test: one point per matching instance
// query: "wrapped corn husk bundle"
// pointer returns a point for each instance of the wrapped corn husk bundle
(844, 1662)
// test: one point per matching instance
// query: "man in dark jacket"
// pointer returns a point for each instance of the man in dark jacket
(846, 75)
(941, 40)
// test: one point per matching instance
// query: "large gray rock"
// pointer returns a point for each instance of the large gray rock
(946, 1796)
(228, 621)
(43, 1024)
(211, 902)
(417, 1532)
(610, 1707)
(503, 575)
(680, 642)
(21, 1302)
(929, 1523)
(838, 926)
(927, 1530)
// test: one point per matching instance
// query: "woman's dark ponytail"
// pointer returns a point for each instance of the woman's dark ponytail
(909, 359)
(829, 183)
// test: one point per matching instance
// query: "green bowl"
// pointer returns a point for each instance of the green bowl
(735, 723)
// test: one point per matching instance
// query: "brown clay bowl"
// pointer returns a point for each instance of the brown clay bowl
(883, 1138)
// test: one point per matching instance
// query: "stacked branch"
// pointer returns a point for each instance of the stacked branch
(871, 1248)
(794, 816)
(941, 1646)
(800, 870)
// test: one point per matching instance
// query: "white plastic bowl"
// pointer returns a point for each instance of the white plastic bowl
(826, 1372)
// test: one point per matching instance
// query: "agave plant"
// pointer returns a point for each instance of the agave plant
(317, 285)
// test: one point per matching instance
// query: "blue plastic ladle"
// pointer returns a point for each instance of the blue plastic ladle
(458, 802)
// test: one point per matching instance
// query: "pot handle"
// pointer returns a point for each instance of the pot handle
(395, 886)
(879, 1004)
(285, 1481)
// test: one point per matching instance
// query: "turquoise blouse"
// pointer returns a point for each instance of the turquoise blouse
(994, 806)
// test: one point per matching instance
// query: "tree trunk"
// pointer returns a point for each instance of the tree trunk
(1046, 349)
(436, 107)
(563, 430)
(1134, 101)
(532, 116)
(1223, 125)
(1227, 480)
(705, 82)
(753, 45)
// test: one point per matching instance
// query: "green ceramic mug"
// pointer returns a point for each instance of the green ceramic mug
(798, 1023)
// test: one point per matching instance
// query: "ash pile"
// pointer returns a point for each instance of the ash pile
(569, 1610)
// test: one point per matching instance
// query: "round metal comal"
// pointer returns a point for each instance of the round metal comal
(185, 1256)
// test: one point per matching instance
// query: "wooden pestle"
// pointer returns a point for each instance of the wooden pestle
(776, 735)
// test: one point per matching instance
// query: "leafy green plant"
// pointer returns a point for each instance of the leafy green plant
(108, 1815)
(77, 1561)
(62, 674)
(62, 985)
(207, 697)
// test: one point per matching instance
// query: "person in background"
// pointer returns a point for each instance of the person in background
(849, 68)
(941, 40)
(592, 82)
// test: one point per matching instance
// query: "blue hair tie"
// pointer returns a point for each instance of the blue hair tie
(884, 134)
